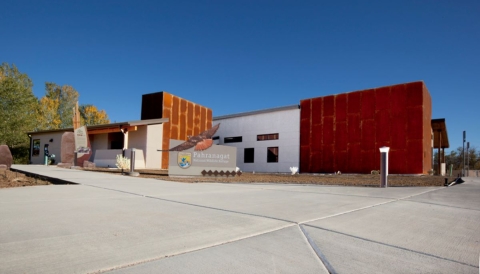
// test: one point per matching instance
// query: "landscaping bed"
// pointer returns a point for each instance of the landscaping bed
(10, 178)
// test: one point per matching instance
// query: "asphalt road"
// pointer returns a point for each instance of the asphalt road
(120, 224)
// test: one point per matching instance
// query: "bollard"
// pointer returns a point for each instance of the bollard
(75, 155)
(384, 166)
(132, 164)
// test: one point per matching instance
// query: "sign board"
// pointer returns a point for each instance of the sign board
(190, 162)
(81, 141)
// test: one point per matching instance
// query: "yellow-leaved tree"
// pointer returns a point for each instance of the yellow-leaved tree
(90, 115)
(55, 109)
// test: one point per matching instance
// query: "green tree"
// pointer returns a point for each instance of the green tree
(17, 111)
(90, 115)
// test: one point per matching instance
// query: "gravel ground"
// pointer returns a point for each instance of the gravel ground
(16, 179)
(319, 179)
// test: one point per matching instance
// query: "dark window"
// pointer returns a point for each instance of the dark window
(265, 137)
(237, 139)
(248, 156)
(36, 147)
(272, 155)
(216, 138)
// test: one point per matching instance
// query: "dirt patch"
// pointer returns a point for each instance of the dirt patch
(318, 179)
(10, 178)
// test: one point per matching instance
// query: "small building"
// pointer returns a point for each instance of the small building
(266, 140)
(163, 117)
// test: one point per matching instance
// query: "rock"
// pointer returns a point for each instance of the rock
(67, 148)
(3, 167)
(5, 156)
(88, 164)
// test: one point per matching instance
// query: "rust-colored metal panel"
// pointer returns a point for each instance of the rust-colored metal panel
(414, 94)
(175, 117)
(341, 108)
(354, 102)
(203, 118)
(415, 123)
(368, 104)
(209, 118)
(341, 137)
(327, 158)
(190, 114)
(415, 156)
(397, 161)
(368, 135)
(328, 131)
(382, 98)
(353, 128)
(341, 162)
(166, 110)
(316, 161)
(427, 116)
(316, 140)
(398, 96)
(305, 135)
(383, 126)
(317, 108)
(354, 158)
(329, 105)
(399, 131)
(196, 119)
(368, 161)
(182, 127)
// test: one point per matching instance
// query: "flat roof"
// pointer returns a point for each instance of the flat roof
(241, 114)
(112, 125)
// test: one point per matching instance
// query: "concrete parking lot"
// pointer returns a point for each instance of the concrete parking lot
(120, 224)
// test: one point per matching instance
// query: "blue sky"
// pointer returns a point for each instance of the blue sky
(237, 56)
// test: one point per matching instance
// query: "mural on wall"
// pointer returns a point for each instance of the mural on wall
(197, 156)
(201, 141)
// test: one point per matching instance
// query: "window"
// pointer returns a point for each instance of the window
(36, 147)
(265, 137)
(272, 155)
(216, 138)
(248, 155)
(237, 139)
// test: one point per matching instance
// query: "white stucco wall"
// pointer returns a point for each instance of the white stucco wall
(53, 147)
(154, 142)
(138, 139)
(98, 142)
(285, 122)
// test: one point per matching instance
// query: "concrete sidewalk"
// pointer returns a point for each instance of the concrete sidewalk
(121, 224)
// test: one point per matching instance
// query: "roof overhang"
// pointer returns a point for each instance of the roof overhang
(440, 134)
(109, 128)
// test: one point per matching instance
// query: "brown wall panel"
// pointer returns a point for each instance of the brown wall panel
(209, 119)
(329, 105)
(353, 128)
(328, 130)
(354, 104)
(196, 120)
(383, 126)
(354, 158)
(341, 108)
(316, 140)
(190, 114)
(317, 109)
(368, 104)
(183, 120)
(203, 119)
(415, 123)
(368, 135)
(382, 98)
(345, 131)
(327, 158)
(414, 94)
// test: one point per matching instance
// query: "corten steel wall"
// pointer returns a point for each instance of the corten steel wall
(185, 118)
(344, 132)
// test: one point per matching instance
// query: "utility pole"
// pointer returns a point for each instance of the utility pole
(468, 159)
(463, 151)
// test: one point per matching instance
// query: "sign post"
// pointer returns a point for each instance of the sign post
(384, 166)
